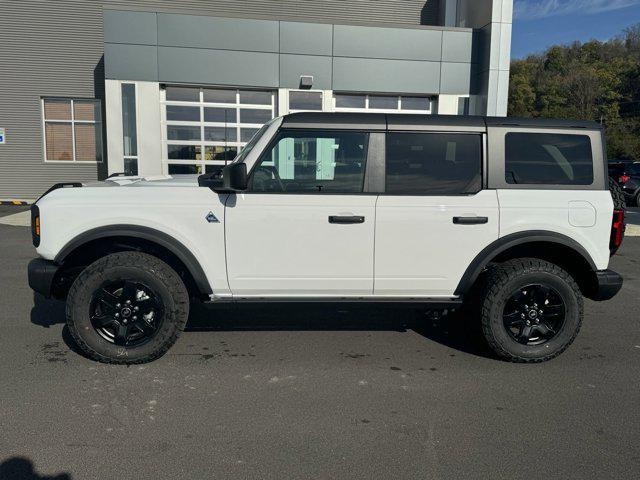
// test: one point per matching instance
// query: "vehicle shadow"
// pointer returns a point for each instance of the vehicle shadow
(47, 312)
(21, 468)
(451, 329)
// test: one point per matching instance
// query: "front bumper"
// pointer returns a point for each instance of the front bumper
(608, 285)
(41, 275)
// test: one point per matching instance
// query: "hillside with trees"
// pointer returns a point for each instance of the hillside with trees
(590, 81)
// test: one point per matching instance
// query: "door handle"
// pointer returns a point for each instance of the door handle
(346, 219)
(470, 220)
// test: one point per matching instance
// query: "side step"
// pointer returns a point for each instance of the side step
(435, 303)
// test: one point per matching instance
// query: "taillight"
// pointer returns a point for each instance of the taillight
(35, 225)
(617, 231)
(624, 178)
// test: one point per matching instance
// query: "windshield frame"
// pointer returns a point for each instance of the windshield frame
(252, 143)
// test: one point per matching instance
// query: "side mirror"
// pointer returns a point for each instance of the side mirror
(235, 177)
(211, 180)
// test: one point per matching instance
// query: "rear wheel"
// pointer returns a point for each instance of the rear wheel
(127, 307)
(531, 310)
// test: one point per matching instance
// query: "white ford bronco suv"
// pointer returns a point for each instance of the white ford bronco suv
(511, 217)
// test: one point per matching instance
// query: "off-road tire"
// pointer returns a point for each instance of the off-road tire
(501, 281)
(139, 267)
(619, 202)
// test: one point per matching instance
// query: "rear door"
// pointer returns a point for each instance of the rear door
(305, 226)
(435, 216)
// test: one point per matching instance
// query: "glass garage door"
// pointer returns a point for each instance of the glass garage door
(353, 102)
(207, 127)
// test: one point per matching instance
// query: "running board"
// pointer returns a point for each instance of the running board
(436, 303)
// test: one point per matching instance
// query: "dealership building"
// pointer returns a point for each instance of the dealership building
(92, 88)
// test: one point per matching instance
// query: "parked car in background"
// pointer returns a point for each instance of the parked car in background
(627, 174)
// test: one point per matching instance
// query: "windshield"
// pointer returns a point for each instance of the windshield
(252, 143)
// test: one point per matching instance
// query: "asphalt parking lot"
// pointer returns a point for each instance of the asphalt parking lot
(633, 216)
(278, 393)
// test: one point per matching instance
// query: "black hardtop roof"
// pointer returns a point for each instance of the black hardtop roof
(541, 122)
(384, 121)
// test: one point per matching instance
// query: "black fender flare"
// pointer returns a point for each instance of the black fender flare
(145, 233)
(509, 241)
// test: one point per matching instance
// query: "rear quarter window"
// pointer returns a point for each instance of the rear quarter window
(548, 159)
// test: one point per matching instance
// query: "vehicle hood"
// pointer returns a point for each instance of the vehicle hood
(155, 181)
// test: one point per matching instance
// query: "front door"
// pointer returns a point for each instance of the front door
(304, 227)
(434, 217)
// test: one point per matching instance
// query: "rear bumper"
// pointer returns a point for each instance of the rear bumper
(608, 285)
(41, 275)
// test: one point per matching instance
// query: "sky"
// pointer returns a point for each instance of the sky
(538, 24)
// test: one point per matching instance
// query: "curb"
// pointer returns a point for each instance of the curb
(14, 202)
(632, 231)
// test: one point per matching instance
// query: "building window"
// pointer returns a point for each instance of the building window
(381, 102)
(464, 106)
(72, 130)
(129, 129)
(348, 102)
(305, 101)
(205, 128)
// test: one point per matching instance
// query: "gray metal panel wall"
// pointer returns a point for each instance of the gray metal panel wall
(405, 12)
(192, 49)
(131, 62)
(196, 65)
(455, 78)
(138, 28)
(306, 38)
(390, 76)
(319, 67)
(48, 49)
(393, 43)
(219, 33)
(55, 49)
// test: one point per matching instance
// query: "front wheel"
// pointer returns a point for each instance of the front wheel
(531, 310)
(126, 308)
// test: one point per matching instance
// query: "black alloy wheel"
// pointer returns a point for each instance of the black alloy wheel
(531, 310)
(534, 314)
(126, 313)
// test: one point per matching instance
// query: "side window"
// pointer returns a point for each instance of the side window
(548, 159)
(313, 161)
(433, 164)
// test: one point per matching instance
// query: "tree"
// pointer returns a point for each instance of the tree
(595, 80)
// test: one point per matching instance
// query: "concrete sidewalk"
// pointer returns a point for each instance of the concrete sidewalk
(22, 219)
